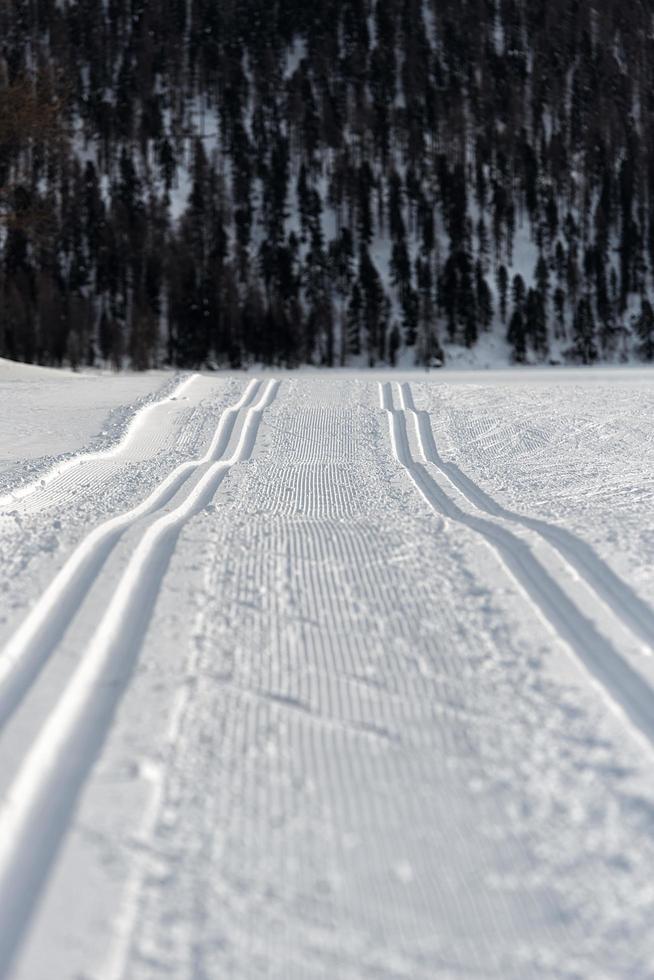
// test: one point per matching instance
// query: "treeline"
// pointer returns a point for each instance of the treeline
(211, 182)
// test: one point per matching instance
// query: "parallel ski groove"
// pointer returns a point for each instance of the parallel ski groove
(622, 685)
(636, 615)
(38, 806)
(30, 646)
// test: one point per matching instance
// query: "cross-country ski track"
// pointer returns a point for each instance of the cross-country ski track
(291, 687)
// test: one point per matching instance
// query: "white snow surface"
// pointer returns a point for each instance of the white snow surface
(48, 413)
(315, 675)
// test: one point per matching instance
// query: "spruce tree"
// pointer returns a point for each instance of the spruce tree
(584, 347)
(645, 330)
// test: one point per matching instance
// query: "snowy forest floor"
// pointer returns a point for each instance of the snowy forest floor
(326, 675)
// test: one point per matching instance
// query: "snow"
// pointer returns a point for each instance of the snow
(316, 675)
(47, 412)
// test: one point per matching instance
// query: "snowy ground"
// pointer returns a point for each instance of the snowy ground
(326, 676)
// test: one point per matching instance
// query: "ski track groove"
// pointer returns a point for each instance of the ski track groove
(36, 810)
(29, 647)
(636, 615)
(622, 687)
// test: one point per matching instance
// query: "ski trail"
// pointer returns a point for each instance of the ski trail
(317, 695)
(314, 646)
(623, 602)
(39, 804)
(622, 686)
(302, 496)
(30, 646)
(59, 470)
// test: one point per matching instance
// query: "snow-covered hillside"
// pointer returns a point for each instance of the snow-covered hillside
(327, 677)
(333, 182)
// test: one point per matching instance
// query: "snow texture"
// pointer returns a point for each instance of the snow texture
(328, 676)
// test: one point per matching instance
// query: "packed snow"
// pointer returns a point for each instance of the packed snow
(326, 675)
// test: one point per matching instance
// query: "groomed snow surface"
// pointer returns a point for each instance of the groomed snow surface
(326, 676)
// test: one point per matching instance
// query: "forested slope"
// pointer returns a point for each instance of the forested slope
(218, 182)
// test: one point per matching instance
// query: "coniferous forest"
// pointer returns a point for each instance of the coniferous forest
(224, 182)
